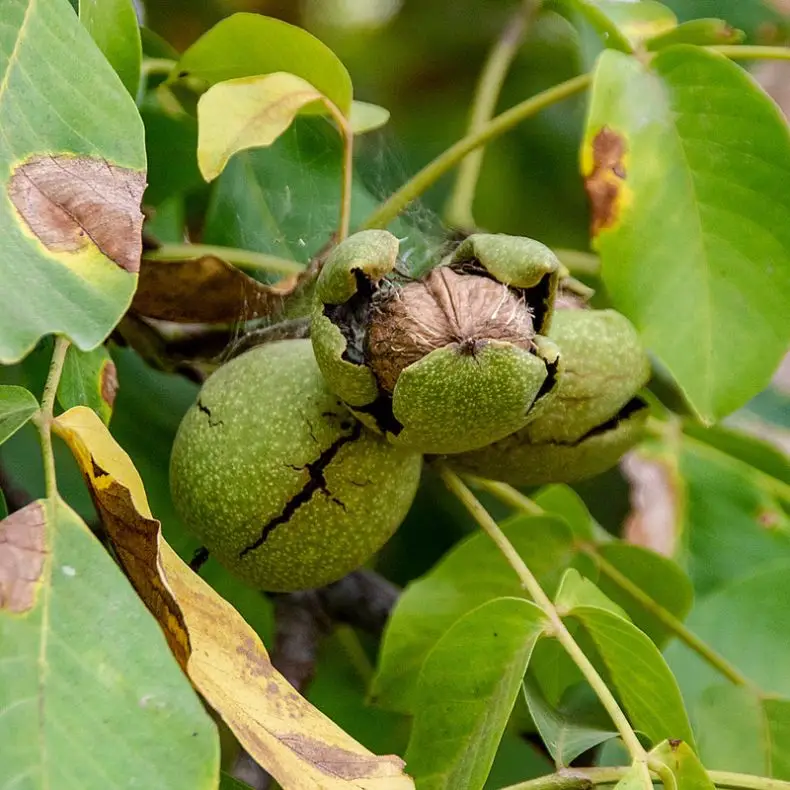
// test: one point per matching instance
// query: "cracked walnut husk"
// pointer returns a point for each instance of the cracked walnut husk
(595, 417)
(446, 363)
(278, 480)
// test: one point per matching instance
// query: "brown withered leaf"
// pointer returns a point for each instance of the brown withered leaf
(22, 553)
(206, 290)
(71, 201)
(655, 518)
(220, 653)
(604, 183)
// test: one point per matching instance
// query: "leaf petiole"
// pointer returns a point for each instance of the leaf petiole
(459, 207)
(43, 418)
(447, 160)
(586, 778)
(559, 630)
(510, 496)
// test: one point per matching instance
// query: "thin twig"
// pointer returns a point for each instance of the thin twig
(558, 629)
(459, 212)
(447, 160)
(347, 135)
(511, 496)
(43, 418)
(587, 778)
(747, 52)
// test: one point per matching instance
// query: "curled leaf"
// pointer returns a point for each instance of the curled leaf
(175, 290)
(366, 117)
(249, 112)
(246, 45)
(221, 654)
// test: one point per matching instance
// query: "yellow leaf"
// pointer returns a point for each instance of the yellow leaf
(221, 654)
(366, 117)
(249, 112)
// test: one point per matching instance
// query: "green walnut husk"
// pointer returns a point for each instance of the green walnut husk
(278, 480)
(447, 363)
(595, 416)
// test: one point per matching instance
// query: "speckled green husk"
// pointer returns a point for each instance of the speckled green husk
(449, 401)
(603, 366)
(268, 449)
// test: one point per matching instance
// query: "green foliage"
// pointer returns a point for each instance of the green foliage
(17, 406)
(466, 690)
(85, 666)
(113, 26)
(545, 634)
(88, 379)
(429, 606)
(246, 45)
(74, 276)
(705, 261)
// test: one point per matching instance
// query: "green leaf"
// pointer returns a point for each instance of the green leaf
(576, 591)
(248, 112)
(89, 379)
(563, 501)
(708, 285)
(700, 32)
(17, 406)
(648, 690)
(466, 691)
(113, 26)
(636, 777)
(740, 731)
(658, 577)
(734, 521)
(248, 45)
(564, 735)
(82, 701)
(758, 19)
(429, 606)
(740, 446)
(366, 117)
(622, 26)
(73, 161)
(748, 623)
(3, 506)
(284, 199)
(679, 757)
(171, 145)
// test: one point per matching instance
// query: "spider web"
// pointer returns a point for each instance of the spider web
(284, 200)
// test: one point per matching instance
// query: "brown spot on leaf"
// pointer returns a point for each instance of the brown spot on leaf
(178, 291)
(257, 662)
(335, 761)
(22, 553)
(769, 519)
(674, 744)
(109, 382)
(71, 201)
(605, 182)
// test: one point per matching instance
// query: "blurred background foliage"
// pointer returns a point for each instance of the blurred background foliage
(421, 61)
